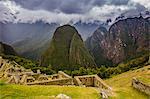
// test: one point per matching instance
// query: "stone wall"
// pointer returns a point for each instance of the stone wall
(63, 81)
(87, 80)
(63, 75)
(90, 80)
(141, 86)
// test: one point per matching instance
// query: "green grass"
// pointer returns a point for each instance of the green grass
(121, 85)
(145, 78)
(10, 91)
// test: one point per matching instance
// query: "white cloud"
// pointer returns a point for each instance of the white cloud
(11, 6)
(32, 16)
(107, 11)
(145, 3)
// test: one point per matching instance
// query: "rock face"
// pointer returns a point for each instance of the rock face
(93, 43)
(67, 50)
(6, 49)
(124, 39)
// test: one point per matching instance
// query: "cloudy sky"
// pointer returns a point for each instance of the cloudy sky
(65, 11)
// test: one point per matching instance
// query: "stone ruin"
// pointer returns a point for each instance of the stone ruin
(56, 79)
(90, 81)
(16, 74)
(94, 81)
(139, 85)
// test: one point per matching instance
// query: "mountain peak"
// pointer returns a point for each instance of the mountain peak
(67, 50)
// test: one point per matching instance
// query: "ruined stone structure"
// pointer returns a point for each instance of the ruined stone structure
(90, 81)
(56, 79)
(17, 74)
(141, 86)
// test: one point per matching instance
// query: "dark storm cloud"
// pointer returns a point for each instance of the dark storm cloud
(65, 6)
(72, 6)
(118, 2)
(99, 2)
(83, 6)
(69, 6)
(39, 4)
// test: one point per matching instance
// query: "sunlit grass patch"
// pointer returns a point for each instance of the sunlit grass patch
(45, 92)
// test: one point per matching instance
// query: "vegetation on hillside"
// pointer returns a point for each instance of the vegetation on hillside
(106, 72)
(102, 71)
(29, 64)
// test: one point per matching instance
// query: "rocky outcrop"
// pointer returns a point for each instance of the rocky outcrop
(63, 96)
(94, 44)
(67, 50)
(125, 38)
(141, 86)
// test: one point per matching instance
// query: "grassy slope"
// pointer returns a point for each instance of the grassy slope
(121, 84)
(44, 92)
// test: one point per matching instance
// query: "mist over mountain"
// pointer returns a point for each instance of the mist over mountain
(86, 29)
(26, 37)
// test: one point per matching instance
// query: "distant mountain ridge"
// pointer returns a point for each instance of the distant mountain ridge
(125, 38)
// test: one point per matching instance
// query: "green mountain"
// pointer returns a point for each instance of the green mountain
(6, 49)
(67, 50)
